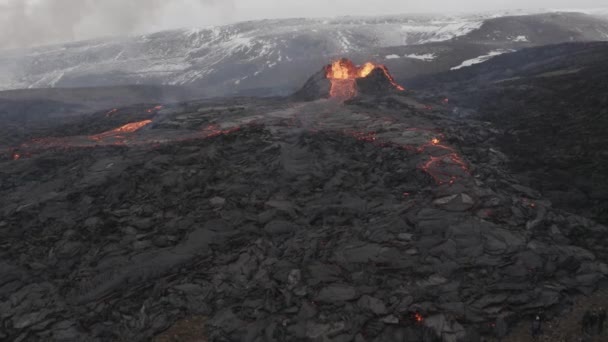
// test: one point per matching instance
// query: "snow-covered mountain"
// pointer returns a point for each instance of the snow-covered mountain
(267, 55)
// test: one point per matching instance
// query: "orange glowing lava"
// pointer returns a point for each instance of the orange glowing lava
(16, 156)
(390, 77)
(418, 317)
(128, 128)
(366, 69)
(445, 164)
(343, 75)
(131, 127)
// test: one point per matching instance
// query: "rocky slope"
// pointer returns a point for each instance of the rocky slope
(380, 219)
(549, 105)
(275, 57)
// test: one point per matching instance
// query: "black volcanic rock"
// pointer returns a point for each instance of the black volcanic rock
(284, 220)
(376, 83)
(548, 107)
(317, 87)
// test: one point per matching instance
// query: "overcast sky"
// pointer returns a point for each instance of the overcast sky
(34, 22)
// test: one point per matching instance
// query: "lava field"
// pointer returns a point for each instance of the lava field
(372, 218)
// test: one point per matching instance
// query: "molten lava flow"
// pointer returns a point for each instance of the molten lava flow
(128, 128)
(390, 78)
(445, 164)
(131, 127)
(343, 89)
(343, 75)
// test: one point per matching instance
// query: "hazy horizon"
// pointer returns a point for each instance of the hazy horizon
(27, 23)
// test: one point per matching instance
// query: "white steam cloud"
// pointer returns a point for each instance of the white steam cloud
(26, 23)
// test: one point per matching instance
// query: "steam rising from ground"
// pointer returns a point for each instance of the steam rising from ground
(26, 23)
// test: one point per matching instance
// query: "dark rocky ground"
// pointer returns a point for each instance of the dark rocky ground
(30, 113)
(382, 219)
(549, 106)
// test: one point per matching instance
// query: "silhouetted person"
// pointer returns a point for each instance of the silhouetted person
(537, 327)
(601, 320)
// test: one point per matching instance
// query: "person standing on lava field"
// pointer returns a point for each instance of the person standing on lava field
(537, 328)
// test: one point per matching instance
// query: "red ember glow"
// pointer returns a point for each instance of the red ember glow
(445, 165)
(363, 136)
(446, 168)
(214, 130)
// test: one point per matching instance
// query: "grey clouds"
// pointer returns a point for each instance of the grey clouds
(36, 22)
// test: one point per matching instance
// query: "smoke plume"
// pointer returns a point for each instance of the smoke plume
(25, 23)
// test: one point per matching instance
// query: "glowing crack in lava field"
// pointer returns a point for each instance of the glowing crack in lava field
(444, 165)
(441, 161)
(343, 75)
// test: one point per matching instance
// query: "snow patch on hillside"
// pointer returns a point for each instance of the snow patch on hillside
(446, 31)
(424, 57)
(520, 39)
(196, 54)
(213, 56)
(481, 59)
